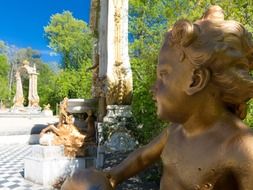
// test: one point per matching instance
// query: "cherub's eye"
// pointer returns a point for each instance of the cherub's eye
(163, 74)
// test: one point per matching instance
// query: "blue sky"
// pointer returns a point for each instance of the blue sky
(22, 22)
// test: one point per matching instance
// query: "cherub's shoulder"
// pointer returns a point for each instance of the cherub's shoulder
(240, 145)
(242, 137)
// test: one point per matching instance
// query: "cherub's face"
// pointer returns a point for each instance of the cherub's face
(173, 78)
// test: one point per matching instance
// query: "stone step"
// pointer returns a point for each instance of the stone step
(22, 130)
(19, 139)
(23, 125)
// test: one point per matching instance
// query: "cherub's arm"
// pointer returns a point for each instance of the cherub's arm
(138, 160)
(49, 128)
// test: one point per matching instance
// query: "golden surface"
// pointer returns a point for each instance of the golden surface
(67, 134)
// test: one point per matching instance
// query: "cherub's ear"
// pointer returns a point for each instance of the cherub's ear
(200, 78)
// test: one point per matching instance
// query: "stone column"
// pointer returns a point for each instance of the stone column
(114, 62)
(19, 97)
(30, 90)
(115, 69)
(33, 94)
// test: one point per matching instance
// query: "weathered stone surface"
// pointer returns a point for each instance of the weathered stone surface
(81, 105)
(116, 133)
(45, 171)
(121, 141)
(114, 64)
(47, 113)
(47, 164)
(39, 151)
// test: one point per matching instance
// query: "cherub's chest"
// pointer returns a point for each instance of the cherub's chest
(193, 163)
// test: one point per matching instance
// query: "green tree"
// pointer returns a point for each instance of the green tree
(46, 84)
(147, 25)
(4, 71)
(72, 84)
(239, 10)
(4, 66)
(71, 38)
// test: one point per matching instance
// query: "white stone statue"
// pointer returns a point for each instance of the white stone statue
(33, 98)
(19, 97)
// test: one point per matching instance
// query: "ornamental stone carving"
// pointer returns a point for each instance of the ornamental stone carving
(33, 98)
(112, 71)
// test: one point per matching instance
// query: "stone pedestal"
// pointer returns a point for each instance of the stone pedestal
(47, 113)
(46, 165)
(116, 125)
(81, 105)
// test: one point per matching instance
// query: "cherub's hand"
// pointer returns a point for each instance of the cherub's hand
(88, 179)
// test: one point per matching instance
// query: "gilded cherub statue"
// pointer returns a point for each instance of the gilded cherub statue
(67, 134)
(203, 84)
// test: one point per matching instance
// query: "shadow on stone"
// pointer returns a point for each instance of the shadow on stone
(22, 173)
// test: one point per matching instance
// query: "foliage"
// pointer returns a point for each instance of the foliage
(29, 54)
(192, 10)
(4, 71)
(249, 118)
(46, 82)
(4, 66)
(147, 24)
(72, 84)
(71, 38)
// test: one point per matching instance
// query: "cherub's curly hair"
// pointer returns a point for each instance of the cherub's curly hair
(225, 48)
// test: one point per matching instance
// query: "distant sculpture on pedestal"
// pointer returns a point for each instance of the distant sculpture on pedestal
(67, 134)
(202, 87)
(19, 97)
(33, 98)
(47, 111)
